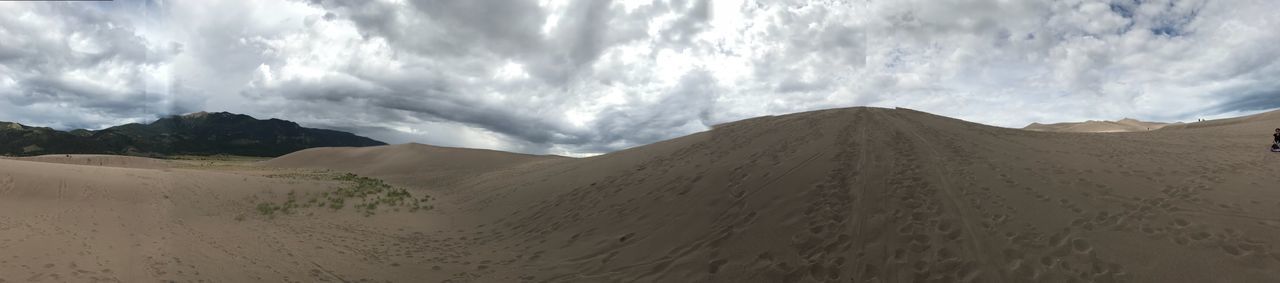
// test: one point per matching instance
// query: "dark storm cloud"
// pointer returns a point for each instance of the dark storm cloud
(588, 40)
(505, 26)
(1249, 100)
(448, 27)
(24, 46)
(688, 105)
(582, 34)
(474, 37)
(78, 59)
(429, 99)
(491, 117)
(491, 29)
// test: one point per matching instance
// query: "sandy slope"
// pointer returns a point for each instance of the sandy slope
(1123, 125)
(103, 160)
(77, 223)
(892, 195)
(407, 163)
(860, 194)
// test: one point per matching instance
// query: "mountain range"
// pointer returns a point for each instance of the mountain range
(200, 133)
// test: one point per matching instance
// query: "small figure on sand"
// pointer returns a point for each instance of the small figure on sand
(1275, 143)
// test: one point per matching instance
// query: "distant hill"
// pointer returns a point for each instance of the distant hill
(408, 163)
(197, 134)
(1123, 125)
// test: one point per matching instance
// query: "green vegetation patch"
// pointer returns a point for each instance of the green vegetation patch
(312, 175)
(366, 195)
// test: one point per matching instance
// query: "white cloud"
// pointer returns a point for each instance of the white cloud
(580, 76)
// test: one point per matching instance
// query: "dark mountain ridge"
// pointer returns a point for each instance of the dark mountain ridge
(200, 133)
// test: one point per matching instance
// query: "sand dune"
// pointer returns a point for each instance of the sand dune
(407, 163)
(892, 195)
(1123, 125)
(858, 194)
(78, 223)
(103, 160)
(1245, 124)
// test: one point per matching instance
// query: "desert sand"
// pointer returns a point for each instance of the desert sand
(103, 160)
(856, 194)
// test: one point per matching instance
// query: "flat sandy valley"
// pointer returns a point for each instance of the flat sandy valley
(848, 195)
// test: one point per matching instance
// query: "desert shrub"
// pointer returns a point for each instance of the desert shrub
(267, 208)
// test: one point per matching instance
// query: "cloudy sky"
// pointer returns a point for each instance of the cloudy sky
(582, 77)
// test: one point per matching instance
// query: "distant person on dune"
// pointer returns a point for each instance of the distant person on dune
(1275, 143)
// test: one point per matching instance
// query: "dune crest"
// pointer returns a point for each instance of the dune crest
(409, 163)
(1122, 125)
(855, 194)
(868, 194)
